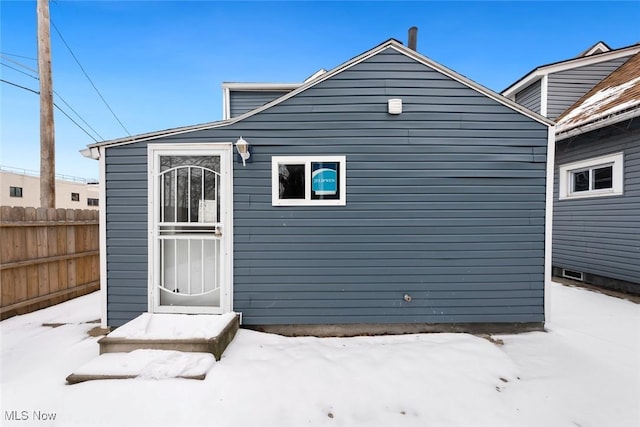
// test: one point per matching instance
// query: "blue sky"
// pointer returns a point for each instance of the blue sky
(160, 64)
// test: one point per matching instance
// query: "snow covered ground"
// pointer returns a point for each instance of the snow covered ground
(585, 371)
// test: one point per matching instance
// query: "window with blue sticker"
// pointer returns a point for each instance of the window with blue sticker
(324, 180)
(308, 180)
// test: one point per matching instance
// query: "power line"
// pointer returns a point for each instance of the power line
(18, 70)
(60, 97)
(21, 87)
(54, 104)
(76, 123)
(18, 56)
(19, 63)
(79, 116)
(88, 78)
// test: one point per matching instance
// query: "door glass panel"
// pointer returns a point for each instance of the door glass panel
(167, 203)
(196, 188)
(190, 188)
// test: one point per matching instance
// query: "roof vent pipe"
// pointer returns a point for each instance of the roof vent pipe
(413, 38)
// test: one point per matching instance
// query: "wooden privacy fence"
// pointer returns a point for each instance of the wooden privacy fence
(46, 256)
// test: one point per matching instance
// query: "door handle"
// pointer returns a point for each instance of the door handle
(218, 231)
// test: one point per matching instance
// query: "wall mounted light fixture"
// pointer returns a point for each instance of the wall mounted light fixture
(394, 106)
(243, 150)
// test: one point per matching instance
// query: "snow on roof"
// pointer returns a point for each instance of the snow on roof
(617, 93)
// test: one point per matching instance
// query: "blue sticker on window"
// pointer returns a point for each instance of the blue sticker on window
(324, 178)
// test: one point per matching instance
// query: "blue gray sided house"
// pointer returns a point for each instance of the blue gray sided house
(435, 217)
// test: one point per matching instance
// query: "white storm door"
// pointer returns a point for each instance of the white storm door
(189, 235)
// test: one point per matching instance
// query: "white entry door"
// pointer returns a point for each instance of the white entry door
(190, 231)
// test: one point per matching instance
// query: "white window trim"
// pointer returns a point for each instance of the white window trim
(565, 171)
(306, 161)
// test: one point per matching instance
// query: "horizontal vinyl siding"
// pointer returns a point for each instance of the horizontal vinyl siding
(600, 235)
(242, 101)
(566, 87)
(444, 202)
(126, 191)
(530, 97)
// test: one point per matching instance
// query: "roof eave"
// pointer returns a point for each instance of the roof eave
(159, 134)
(537, 73)
(598, 124)
(476, 86)
(525, 81)
(260, 86)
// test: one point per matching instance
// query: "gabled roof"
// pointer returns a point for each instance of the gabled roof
(586, 58)
(615, 98)
(389, 44)
(599, 47)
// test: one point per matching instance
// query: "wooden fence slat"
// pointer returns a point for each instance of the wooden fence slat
(62, 250)
(43, 249)
(52, 251)
(33, 276)
(8, 292)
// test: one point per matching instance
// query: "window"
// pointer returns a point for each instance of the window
(92, 202)
(308, 181)
(75, 197)
(15, 191)
(597, 177)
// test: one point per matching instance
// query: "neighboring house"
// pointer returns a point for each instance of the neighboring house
(387, 194)
(21, 187)
(596, 231)
(550, 89)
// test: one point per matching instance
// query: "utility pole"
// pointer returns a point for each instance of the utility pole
(47, 135)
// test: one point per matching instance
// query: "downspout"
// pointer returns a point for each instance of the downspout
(548, 222)
(97, 153)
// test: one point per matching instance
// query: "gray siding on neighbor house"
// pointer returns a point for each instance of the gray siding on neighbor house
(566, 87)
(530, 96)
(445, 202)
(242, 101)
(600, 235)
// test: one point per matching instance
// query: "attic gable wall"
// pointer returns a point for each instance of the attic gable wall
(531, 96)
(566, 87)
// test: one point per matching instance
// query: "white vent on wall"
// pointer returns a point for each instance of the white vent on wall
(395, 106)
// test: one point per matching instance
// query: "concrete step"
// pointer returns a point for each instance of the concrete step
(179, 332)
(147, 364)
